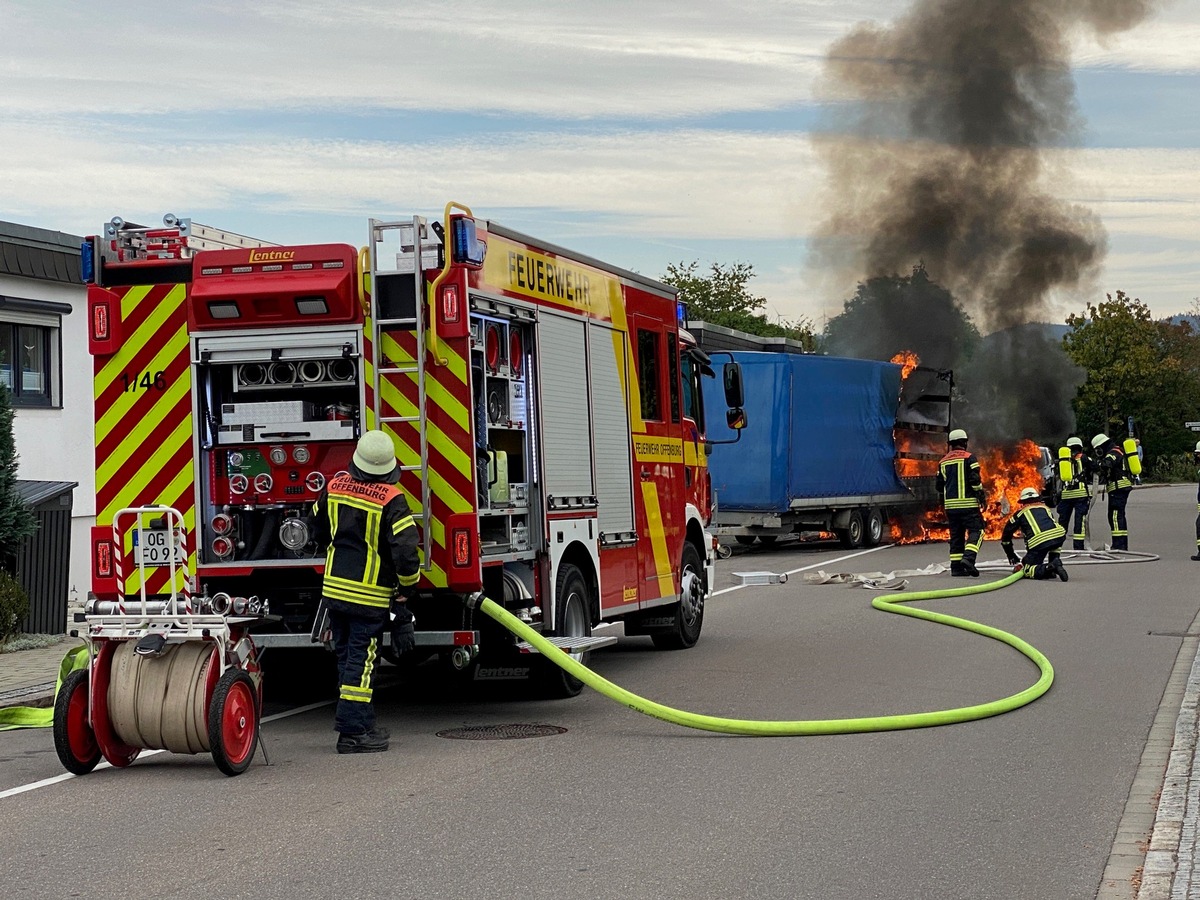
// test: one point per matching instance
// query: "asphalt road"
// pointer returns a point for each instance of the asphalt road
(1023, 805)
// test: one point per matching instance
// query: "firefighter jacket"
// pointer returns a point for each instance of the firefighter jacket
(959, 481)
(1035, 523)
(1116, 469)
(372, 540)
(1077, 488)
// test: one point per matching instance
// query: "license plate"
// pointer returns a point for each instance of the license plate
(152, 548)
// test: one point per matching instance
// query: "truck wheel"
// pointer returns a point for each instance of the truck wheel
(744, 539)
(74, 740)
(852, 534)
(572, 619)
(768, 539)
(874, 531)
(689, 611)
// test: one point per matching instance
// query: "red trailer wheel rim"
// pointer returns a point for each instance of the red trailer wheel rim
(116, 751)
(238, 722)
(80, 737)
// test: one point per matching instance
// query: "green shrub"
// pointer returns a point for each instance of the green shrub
(14, 606)
(1172, 467)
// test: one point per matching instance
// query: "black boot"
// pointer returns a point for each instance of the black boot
(1059, 569)
(373, 741)
(957, 570)
(970, 569)
(1196, 558)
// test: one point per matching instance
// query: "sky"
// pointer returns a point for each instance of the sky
(642, 133)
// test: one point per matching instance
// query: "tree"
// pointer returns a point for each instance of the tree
(892, 313)
(723, 298)
(16, 521)
(1135, 367)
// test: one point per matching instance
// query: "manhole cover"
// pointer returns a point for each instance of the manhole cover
(500, 732)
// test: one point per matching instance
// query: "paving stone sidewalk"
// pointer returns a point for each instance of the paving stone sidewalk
(27, 677)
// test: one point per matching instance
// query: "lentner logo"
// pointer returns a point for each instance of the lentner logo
(272, 255)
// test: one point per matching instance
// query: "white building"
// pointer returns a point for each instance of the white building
(44, 361)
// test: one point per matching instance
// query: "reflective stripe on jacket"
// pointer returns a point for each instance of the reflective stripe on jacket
(1033, 522)
(959, 481)
(1077, 487)
(372, 541)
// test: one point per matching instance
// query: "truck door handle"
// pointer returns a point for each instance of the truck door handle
(645, 474)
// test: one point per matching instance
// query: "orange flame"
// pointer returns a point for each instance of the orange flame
(908, 360)
(1005, 471)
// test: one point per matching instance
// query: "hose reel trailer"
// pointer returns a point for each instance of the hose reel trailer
(161, 674)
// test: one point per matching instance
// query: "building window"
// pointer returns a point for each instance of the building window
(28, 362)
(649, 381)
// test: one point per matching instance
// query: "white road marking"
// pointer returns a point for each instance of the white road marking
(46, 782)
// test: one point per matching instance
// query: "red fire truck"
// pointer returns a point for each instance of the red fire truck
(546, 410)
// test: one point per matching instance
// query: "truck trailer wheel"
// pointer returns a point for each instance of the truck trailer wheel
(874, 528)
(853, 534)
(571, 604)
(689, 611)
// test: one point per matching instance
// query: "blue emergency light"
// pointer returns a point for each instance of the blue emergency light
(87, 262)
(465, 246)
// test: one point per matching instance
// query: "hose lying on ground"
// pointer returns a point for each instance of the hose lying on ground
(888, 603)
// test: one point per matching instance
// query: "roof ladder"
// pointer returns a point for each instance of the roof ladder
(407, 265)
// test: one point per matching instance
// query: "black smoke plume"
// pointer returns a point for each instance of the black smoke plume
(937, 158)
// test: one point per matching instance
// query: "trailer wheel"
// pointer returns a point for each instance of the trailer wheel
(74, 740)
(233, 722)
(874, 531)
(571, 604)
(852, 534)
(689, 611)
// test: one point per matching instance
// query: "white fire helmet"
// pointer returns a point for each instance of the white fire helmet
(375, 453)
(1099, 441)
(957, 435)
(1074, 442)
(1028, 494)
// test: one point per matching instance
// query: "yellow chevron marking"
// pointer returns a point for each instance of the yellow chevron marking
(132, 345)
(136, 485)
(170, 351)
(435, 391)
(658, 541)
(135, 440)
(437, 438)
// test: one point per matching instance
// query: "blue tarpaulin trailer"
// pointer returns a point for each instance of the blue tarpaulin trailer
(819, 452)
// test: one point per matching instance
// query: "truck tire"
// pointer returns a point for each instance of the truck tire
(852, 535)
(689, 610)
(744, 539)
(874, 528)
(572, 619)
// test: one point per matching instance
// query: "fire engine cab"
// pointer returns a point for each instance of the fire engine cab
(546, 410)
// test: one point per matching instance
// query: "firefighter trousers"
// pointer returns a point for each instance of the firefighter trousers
(356, 641)
(1038, 562)
(966, 535)
(1116, 518)
(1079, 507)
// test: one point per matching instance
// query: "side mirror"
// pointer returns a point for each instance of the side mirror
(732, 377)
(735, 418)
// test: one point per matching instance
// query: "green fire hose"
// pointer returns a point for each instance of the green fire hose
(888, 603)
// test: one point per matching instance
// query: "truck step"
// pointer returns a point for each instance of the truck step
(572, 644)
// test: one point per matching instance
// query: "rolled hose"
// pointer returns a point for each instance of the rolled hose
(888, 603)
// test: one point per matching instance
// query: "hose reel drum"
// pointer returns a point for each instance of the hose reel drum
(162, 677)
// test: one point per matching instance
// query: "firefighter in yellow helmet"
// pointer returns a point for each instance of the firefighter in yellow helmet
(1076, 493)
(365, 520)
(1196, 459)
(961, 486)
(1114, 469)
(1043, 538)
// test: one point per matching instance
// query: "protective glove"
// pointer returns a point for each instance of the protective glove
(403, 632)
(1012, 559)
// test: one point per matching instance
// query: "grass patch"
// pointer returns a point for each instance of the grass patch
(30, 642)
